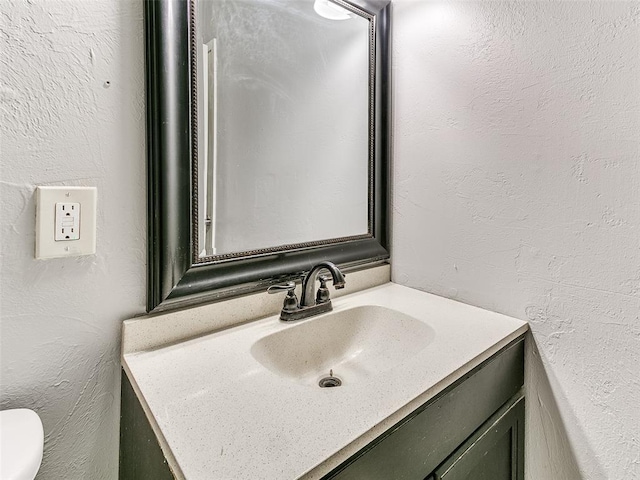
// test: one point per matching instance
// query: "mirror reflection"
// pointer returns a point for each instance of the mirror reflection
(284, 143)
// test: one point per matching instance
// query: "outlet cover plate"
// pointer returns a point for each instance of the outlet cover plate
(46, 200)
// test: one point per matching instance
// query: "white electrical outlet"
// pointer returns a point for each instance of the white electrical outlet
(65, 221)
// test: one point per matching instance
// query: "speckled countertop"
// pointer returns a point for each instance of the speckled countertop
(219, 413)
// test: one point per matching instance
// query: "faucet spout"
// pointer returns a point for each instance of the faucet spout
(309, 282)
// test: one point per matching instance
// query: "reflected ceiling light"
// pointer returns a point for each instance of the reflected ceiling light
(330, 10)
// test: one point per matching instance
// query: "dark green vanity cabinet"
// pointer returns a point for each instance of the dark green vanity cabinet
(141, 457)
(473, 430)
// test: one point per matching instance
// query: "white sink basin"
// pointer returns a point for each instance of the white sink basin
(356, 343)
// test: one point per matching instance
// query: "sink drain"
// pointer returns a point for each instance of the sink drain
(330, 381)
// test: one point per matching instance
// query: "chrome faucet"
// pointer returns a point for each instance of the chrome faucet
(311, 303)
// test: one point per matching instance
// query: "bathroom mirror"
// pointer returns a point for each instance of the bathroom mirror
(283, 124)
(268, 142)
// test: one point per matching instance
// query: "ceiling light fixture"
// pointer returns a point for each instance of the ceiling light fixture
(330, 10)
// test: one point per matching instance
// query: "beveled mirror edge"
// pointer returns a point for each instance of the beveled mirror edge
(173, 279)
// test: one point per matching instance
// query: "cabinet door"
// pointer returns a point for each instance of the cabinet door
(494, 452)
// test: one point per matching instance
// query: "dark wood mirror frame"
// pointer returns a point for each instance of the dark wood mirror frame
(175, 278)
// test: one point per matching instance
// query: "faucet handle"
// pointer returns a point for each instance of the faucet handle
(281, 286)
(324, 278)
(290, 301)
(322, 295)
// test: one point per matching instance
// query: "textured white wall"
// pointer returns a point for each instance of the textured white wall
(62, 124)
(517, 189)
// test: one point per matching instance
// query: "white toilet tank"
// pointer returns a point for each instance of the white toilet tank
(21, 444)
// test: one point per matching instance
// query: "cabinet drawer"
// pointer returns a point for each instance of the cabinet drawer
(415, 446)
